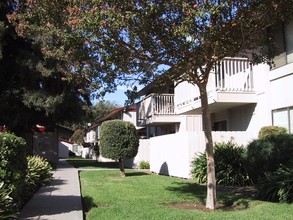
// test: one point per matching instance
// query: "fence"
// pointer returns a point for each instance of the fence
(172, 154)
(142, 155)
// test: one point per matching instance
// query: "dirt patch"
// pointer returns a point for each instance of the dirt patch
(187, 206)
(103, 205)
(242, 193)
(202, 207)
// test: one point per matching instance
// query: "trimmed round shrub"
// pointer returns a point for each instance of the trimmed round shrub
(39, 173)
(118, 141)
(229, 165)
(268, 131)
(277, 186)
(266, 155)
(13, 164)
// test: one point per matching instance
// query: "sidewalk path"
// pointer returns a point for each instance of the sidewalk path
(60, 200)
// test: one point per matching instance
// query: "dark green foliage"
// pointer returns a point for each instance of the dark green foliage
(266, 155)
(199, 170)
(118, 140)
(96, 149)
(34, 89)
(77, 136)
(7, 206)
(13, 164)
(229, 164)
(38, 173)
(268, 131)
(144, 165)
(277, 186)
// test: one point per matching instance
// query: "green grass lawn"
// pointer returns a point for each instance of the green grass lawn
(147, 196)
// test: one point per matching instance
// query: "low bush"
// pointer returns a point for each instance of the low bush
(277, 186)
(7, 206)
(269, 131)
(39, 173)
(199, 170)
(13, 164)
(144, 165)
(229, 165)
(266, 154)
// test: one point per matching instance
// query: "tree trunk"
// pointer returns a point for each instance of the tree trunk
(121, 167)
(211, 177)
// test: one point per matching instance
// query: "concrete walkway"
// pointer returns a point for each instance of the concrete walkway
(60, 200)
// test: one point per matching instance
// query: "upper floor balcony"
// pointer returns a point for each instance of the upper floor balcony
(156, 108)
(230, 84)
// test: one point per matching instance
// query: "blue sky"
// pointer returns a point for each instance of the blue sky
(118, 96)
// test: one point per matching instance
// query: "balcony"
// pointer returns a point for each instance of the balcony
(230, 84)
(156, 109)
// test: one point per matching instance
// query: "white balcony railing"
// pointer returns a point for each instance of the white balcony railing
(155, 104)
(232, 74)
(230, 81)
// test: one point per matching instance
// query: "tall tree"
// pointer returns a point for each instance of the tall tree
(140, 37)
(93, 114)
(34, 88)
(188, 37)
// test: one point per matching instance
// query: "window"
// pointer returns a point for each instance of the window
(289, 41)
(283, 118)
(284, 44)
(220, 126)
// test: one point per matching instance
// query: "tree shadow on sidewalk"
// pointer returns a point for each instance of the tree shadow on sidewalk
(44, 205)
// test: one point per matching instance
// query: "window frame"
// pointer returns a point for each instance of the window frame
(287, 109)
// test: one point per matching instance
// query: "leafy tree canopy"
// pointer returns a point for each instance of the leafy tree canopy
(93, 114)
(33, 88)
(137, 37)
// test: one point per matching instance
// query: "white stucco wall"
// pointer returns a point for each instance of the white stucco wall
(64, 148)
(281, 87)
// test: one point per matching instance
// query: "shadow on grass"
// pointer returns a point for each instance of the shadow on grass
(227, 199)
(189, 189)
(88, 204)
(128, 174)
(81, 163)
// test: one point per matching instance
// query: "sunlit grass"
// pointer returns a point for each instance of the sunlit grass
(147, 196)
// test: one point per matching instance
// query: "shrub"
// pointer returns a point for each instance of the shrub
(13, 163)
(38, 173)
(268, 131)
(277, 186)
(118, 141)
(199, 170)
(229, 165)
(266, 155)
(7, 206)
(144, 165)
